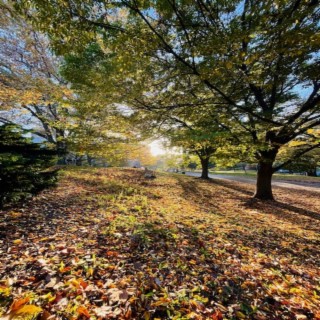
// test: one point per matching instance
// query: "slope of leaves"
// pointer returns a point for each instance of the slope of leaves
(109, 244)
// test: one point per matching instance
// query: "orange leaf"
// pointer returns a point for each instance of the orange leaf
(83, 311)
(128, 314)
(17, 304)
(112, 254)
(83, 284)
(66, 269)
(217, 315)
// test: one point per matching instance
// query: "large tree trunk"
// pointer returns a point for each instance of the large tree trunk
(312, 172)
(264, 177)
(205, 168)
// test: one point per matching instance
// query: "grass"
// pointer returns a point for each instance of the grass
(276, 176)
(110, 244)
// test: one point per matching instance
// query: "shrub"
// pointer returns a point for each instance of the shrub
(23, 165)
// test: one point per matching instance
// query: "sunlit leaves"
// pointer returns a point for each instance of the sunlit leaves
(121, 246)
(21, 310)
(256, 61)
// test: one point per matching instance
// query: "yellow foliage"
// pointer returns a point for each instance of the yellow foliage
(21, 311)
(27, 311)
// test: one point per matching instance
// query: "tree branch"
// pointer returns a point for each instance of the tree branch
(299, 154)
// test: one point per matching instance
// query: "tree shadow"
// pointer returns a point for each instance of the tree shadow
(281, 208)
(245, 229)
(192, 190)
(230, 185)
(190, 187)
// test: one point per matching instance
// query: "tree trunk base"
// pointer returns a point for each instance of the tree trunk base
(263, 186)
(263, 196)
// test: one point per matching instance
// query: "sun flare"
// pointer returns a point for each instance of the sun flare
(156, 148)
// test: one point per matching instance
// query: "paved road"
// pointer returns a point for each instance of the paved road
(299, 185)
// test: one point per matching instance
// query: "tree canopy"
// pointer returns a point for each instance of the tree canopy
(257, 62)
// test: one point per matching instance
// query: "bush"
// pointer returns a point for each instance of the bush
(23, 165)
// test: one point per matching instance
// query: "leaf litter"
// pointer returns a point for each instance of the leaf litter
(109, 244)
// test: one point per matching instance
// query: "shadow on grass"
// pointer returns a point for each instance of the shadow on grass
(230, 185)
(244, 230)
(278, 207)
(273, 242)
(281, 209)
(193, 191)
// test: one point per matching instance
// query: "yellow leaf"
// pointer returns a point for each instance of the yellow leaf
(229, 65)
(17, 241)
(27, 310)
(90, 272)
(49, 297)
(146, 315)
(44, 239)
(15, 214)
(240, 315)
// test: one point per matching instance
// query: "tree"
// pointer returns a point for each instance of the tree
(307, 163)
(192, 165)
(32, 92)
(196, 141)
(261, 59)
(23, 165)
(301, 157)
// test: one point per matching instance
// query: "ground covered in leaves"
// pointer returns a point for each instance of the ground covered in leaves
(109, 244)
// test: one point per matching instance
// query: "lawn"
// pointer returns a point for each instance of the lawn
(276, 176)
(110, 244)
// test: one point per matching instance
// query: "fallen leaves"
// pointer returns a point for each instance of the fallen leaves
(30, 310)
(20, 308)
(83, 311)
(17, 304)
(107, 244)
(116, 296)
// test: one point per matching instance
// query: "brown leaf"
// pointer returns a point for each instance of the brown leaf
(45, 315)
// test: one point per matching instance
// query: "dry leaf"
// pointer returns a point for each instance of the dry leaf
(17, 304)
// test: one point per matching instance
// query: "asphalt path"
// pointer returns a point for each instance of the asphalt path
(298, 185)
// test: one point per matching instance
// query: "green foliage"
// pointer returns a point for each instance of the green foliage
(253, 65)
(81, 69)
(306, 163)
(22, 165)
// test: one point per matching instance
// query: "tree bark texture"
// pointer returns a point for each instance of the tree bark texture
(205, 168)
